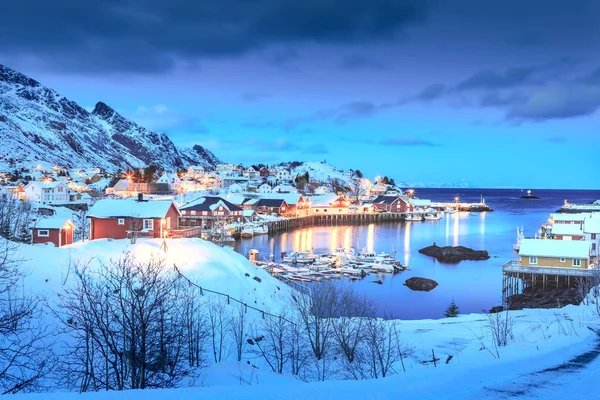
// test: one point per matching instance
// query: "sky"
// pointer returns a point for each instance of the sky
(501, 94)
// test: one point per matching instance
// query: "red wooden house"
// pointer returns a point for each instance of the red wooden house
(121, 219)
(206, 211)
(393, 204)
(270, 206)
(55, 230)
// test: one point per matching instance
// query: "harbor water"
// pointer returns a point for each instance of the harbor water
(474, 285)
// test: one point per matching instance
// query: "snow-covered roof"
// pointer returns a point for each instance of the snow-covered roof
(567, 229)
(592, 223)
(196, 167)
(46, 185)
(324, 200)
(55, 222)
(567, 217)
(420, 202)
(555, 248)
(113, 208)
(168, 178)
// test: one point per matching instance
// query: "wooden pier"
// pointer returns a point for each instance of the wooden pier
(516, 278)
(469, 207)
(333, 220)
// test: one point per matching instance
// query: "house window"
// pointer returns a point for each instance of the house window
(325, 210)
(43, 233)
(594, 246)
(169, 223)
(563, 260)
(593, 236)
(576, 262)
(193, 212)
(149, 224)
(121, 221)
(532, 260)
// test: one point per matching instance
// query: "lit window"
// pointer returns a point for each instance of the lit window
(532, 260)
(576, 262)
(149, 224)
(121, 221)
(193, 212)
(43, 233)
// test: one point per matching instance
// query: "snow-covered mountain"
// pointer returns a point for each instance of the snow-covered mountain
(40, 126)
(320, 172)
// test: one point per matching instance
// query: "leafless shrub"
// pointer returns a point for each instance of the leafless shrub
(501, 328)
(218, 324)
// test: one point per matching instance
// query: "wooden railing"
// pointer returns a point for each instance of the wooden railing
(186, 233)
(515, 266)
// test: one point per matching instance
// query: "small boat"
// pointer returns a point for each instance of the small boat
(449, 210)
(260, 230)
(247, 232)
(520, 236)
(431, 216)
(409, 217)
(303, 257)
(381, 266)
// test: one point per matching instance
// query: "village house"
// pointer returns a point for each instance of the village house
(251, 172)
(416, 203)
(548, 253)
(591, 229)
(273, 171)
(393, 204)
(366, 208)
(236, 188)
(264, 172)
(50, 192)
(172, 180)
(230, 180)
(566, 232)
(271, 206)
(378, 190)
(55, 230)
(328, 204)
(195, 172)
(135, 217)
(265, 188)
(283, 189)
(569, 219)
(206, 211)
(283, 175)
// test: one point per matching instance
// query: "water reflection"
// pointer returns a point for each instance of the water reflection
(370, 237)
(456, 228)
(333, 241)
(407, 243)
(348, 238)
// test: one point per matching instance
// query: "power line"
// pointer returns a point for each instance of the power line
(229, 298)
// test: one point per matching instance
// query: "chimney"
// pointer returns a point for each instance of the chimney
(140, 197)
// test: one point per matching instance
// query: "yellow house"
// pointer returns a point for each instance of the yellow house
(328, 204)
(545, 253)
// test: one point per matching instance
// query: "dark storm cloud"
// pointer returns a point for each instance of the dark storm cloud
(153, 34)
(340, 115)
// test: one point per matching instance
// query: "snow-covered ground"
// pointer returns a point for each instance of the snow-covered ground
(535, 363)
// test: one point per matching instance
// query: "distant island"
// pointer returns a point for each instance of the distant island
(528, 195)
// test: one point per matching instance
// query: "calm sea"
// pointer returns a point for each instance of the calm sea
(474, 285)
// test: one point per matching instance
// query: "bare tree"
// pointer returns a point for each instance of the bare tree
(127, 326)
(381, 349)
(16, 219)
(316, 312)
(501, 328)
(25, 356)
(357, 187)
(218, 324)
(352, 311)
(274, 342)
(239, 329)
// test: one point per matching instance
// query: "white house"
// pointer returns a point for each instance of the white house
(284, 189)
(195, 172)
(172, 180)
(235, 188)
(283, 175)
(251, 172)
(265, 188)
(591, 229)
(50, 192)
(322, 190)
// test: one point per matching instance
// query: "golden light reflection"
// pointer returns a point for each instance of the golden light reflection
(407, 244)
(456, 229)
(482, 223)
(309, 240)
(297, 241)
(283, 242)
(333, 240)
(448, 218)
(370, 237)
(348, 238)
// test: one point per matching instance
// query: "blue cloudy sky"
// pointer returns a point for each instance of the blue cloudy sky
(498, 93)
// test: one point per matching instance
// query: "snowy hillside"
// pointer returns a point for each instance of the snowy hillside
(320, 172)
(40, 126)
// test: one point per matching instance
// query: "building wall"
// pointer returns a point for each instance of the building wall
(552, 262)
(110, 228)
(53, 236)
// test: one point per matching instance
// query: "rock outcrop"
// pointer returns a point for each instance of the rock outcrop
(454, 254)
(421, 284)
